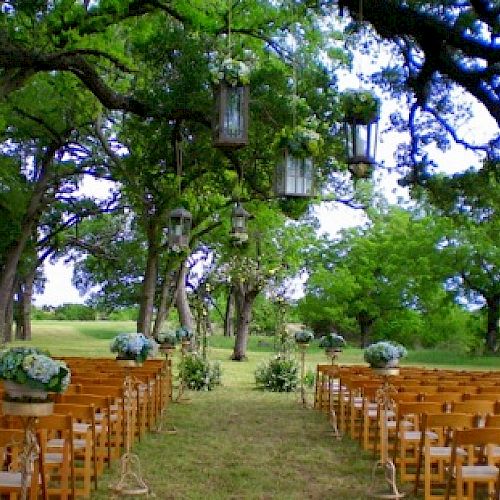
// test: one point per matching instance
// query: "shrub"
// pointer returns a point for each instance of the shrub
(279, 374)
(198, 373)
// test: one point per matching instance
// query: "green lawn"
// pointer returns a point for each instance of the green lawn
(237, 442)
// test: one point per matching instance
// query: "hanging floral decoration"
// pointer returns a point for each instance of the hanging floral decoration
(231, 71)
(300, 141)
(361, 105)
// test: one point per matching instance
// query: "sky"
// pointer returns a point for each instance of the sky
(333, 217)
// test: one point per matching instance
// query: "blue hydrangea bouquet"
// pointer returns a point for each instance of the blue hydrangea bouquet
(384, 354)
(132, 346)
(34, 369)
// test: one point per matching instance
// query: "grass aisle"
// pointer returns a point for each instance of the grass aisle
(240, 443)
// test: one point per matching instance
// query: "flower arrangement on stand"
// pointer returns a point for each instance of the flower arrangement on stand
(304, 337)
(384, 354)
(333, 344)
(167, 341)
(28, 375)
(134, 347)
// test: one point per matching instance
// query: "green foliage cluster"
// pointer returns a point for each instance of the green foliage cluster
(199, 374)
(279, 374)
(72, 312)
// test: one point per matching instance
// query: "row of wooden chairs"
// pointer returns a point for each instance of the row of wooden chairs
(351, 396)
(88, 428)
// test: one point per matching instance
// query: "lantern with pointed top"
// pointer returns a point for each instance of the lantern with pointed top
(179, 228)
(239, 217)
(361, 115)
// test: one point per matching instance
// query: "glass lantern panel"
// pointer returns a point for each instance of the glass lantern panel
(360, 141)
(177, 228)
(239, 222)
(233, 113)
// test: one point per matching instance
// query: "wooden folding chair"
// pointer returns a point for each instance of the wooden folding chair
(57, 463)
(476, 466)
(11, 446)
(103, 415)
(84, 445)
(434, 455)
(408, 434)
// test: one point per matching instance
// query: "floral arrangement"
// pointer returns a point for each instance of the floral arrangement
(382, 353)
(167, 338)
(303, 336)
(231, 71)
(279, 374)
(300, 141)
(198, 373)
(135, 346)
(34, 368)
(332, 341)
(361, 105)
(184, 334)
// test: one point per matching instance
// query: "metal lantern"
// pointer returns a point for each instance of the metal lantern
(361, 140)
(179, 227)
(239, 217)
(294, 176)
(230, 125)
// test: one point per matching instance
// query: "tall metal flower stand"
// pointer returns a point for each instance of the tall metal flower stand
(131, 482)
(28, 412)
(181, 398)
(332, 354)
(386, 403)
(159, 429)
(302, 352)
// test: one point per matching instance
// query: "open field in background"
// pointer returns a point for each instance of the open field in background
(92, 338)
(237, 442)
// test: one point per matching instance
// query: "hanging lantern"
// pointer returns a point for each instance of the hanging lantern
(361, 140)
(239, 217)
(361, 116)
(230, 125)
(179, 228)
(294, 176)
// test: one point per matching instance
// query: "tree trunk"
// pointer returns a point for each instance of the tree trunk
(146, 305)
(30, 219)
(181, 300)
(365, 326)
(244, 302)
(230, 313)
(167, 298)
(25, 305)
(9, 320)
(493, 305)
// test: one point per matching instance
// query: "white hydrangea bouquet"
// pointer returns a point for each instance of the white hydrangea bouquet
(35, 369)
(231, 71)
(384, 354)
(133, 346)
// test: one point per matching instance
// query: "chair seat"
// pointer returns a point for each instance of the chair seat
(444, 451)
(415, 435)
(53, 458)
(10, 479)
(479, 471)
(58, 443)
